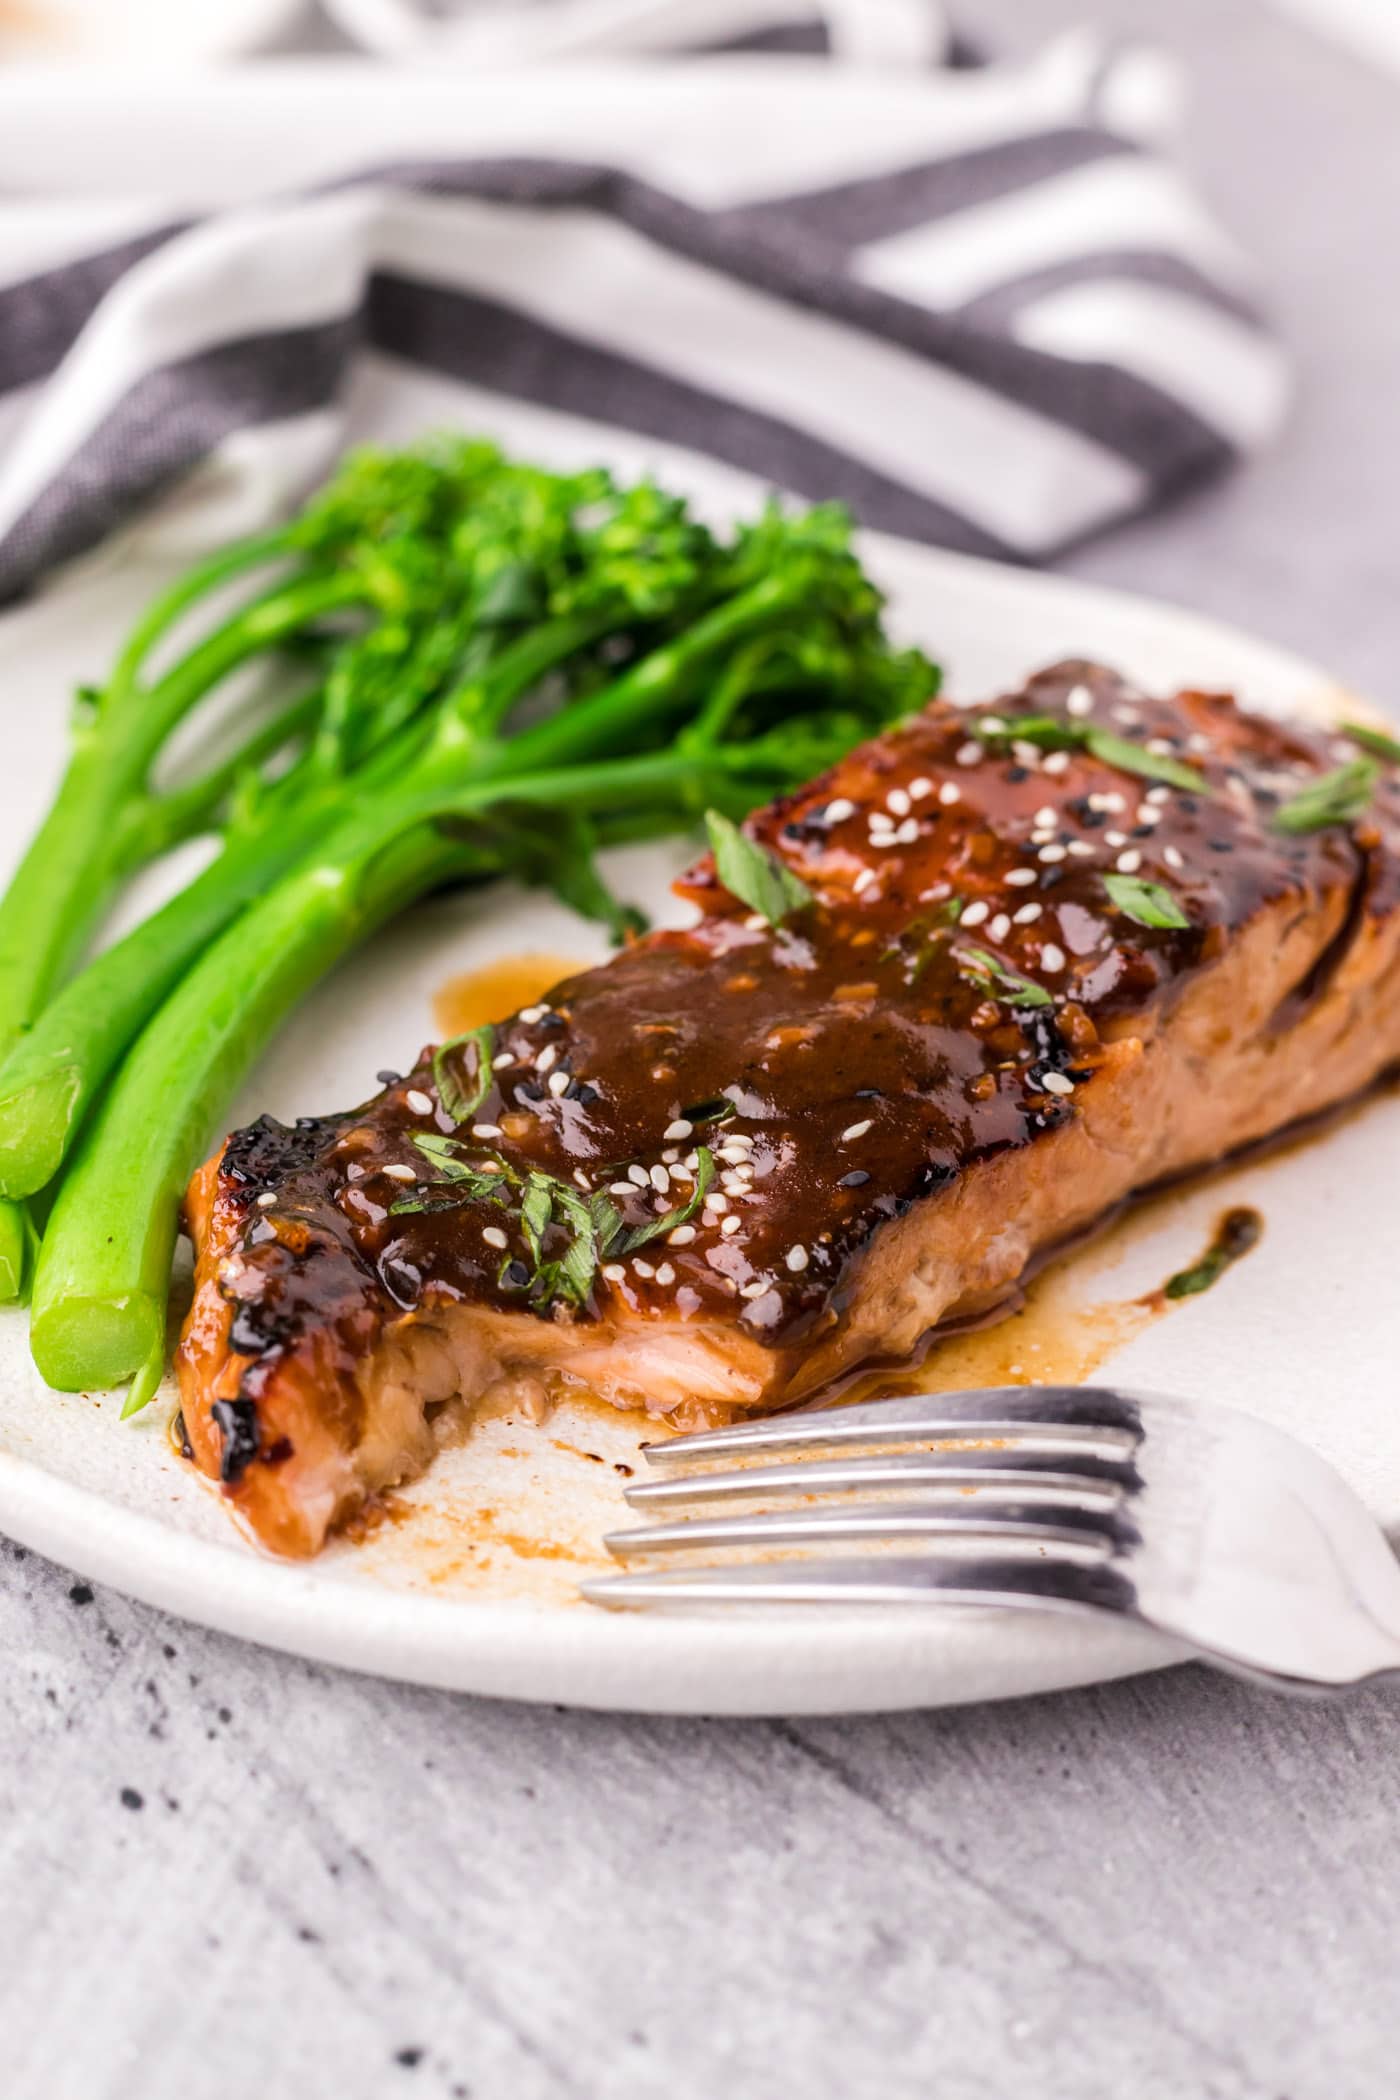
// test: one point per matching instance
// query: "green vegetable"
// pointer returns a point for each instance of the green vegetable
(459, 1105)
(1051, 734)
(1145, 903)
(595, 667)
(1238, 1231)
(1338, 797)
(754, 875)
(1374, 740)
(993, 976)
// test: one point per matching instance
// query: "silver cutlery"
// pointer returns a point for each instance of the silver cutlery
(1194, 1518)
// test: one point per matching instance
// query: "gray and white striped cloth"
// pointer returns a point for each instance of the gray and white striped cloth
(979, 305)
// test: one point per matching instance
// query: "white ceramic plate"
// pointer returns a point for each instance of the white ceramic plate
(473, 1586)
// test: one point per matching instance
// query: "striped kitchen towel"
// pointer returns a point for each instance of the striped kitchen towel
(979, 305)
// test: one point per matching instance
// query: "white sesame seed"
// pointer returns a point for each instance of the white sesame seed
(581, 1180)
(907, 832)
(671, 1154)
(714, 1201)
(734, 1181)
(559, 1083)
(691, 1160)
(1109, 801)
(1128, 716)
(1148, 813)
(757, 1289)
(796, 1259)
(863, 881)
(1079, 701)
(737, 1155)
(1172, 857)
(547, 1057)
(729, 1226)
(638, 1177)
(1019, 877)
(1047, 818)
(968, 754)
(755, 922)
(855, 1130)
(615, 1272)
(502, 1059)
(665, 1274)
(679, 1129)
(920, 789)
(266, 1200)
(660, 1180)
(1081, 849)
(1198, 741)
(619, 1188)
(1052, 853)
(949, 793)
(681, 1237)
(1000, 926)
(493, 1236)
(1161, 746)
(1027, 755)
(1115, 838)
(1128, 863)
(1159, 795)
(838, 811)
(530, 1014)
(418, 1101)
(1028, 914)
(354, 1172)
(643, 1268)
(1056, 1083)
(1057, 762)
(992, 725)
(1043, 838)
(881, 821)
(1052, 957)
(400, 1173)
(898, 801)
(486, 1130)
(976, 913)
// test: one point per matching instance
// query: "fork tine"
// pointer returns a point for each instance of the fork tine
(1056, 1524)
(1037, 1581)
(1068, 1415)
(951, 1471)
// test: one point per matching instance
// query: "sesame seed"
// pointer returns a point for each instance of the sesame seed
(797, 1259)
(559, 1083)
(1019, 877)
(855, 1130)
(486, 1130)
(644, 1268)
(493, 1236)
(1115, 838)
(734, 1181)
(920, 789)
(968, 754)
(619, 1188)
(504, 1058)
(681, 1237)
(1198, 741)
(863, 881)
(976, 913)
(755, 922)
(400, 1173)
(679, 1129)
(1172, 857)
(266, 1200)
(898, 801)
(1108, 801)
(615, 1272)
(671, 1154)
(1047, 818)
(1148, 813)
(665, 1274)
(418, 1101)
(837, 812)
(880, 821)
(1049, 854)
(1128, 863)
(1057, 762)
(949, 793)
(737, 1155)
(992, 725)
(1160, 746)
(638, 1177)
(581, 1179)
(354, 1172)
(547, 1057)
(531, 1014)
(1056, 1083)
(1027, 755)
(757, 1289)
(907, 832)
(1159, 795)
(1000, 926)
(730, 1225)
(660, 1180)
(714, 1201)
(1052, 958)
(1079, 701)
(1081, 849)
(692, 1160)
(1028, 914)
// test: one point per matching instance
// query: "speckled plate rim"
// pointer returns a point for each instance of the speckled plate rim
(814, 1660)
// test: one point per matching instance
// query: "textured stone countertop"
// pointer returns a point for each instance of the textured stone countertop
(226, 1873)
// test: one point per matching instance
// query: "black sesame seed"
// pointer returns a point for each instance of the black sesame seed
(869, 1093)
(388, 1078)
(1016, 774)
(854, 1180)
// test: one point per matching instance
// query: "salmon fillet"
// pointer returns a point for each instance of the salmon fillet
(739, 1160)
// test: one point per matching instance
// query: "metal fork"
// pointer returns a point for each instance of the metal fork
(1194, 1518)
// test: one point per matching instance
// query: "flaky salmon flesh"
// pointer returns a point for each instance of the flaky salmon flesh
(1057, 951)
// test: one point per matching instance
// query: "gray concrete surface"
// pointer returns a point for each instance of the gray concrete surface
(228, 1874)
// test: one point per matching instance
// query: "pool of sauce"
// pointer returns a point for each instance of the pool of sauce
(498, 987)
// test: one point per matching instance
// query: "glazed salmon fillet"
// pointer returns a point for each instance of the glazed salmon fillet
(1056, 951)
